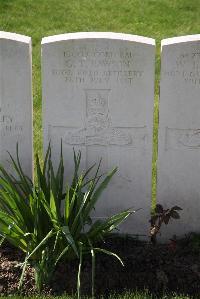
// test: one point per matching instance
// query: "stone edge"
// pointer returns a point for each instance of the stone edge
(15, 37)
(98, 35)
(180, 39)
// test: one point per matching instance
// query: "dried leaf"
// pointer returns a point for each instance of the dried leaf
(167, 212)
(174, 214)
(176, 208)
(166, 219)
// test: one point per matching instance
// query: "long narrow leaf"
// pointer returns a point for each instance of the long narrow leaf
(22, 275)
(49, 235)
(69, 237)
(77, 218)
(104, 227)
(109, 253)
(79, 271)
(93, 271)
(17, 166)
(67, 206)
(62, 254)
(99, 191)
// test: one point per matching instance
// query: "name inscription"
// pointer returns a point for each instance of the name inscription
(95, 65)
(186, 67)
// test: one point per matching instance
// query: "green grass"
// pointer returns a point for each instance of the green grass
(125, 296)
(153, 18)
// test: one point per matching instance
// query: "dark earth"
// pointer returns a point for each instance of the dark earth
(158, 269)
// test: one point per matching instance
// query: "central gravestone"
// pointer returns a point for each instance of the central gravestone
(98, 94)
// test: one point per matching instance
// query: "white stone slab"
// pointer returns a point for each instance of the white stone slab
(16, 99)
(98, 94)
(179, 132)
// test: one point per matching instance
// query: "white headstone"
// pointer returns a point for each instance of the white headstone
(98, 95)
(16, 100)
(179, 132)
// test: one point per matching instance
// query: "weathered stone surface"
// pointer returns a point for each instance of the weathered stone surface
(16, 99)
(98, 94)
(179, 132)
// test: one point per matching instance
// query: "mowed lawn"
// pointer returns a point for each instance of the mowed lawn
(152, 18)
(124, 296)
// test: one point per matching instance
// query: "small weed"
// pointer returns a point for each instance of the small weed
(161, 216)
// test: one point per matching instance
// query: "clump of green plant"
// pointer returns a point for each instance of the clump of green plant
(50, 224)
(161, 216)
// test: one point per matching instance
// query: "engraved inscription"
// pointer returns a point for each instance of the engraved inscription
(186, 67)
(89, 64)
(8, 125)
(97, 76)
(98, 128)
(182, 138)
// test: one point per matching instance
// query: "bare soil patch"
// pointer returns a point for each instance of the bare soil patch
(162, 268)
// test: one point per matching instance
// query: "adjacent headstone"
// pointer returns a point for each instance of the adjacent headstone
(98, 96)
(179, 132)
(15, 100)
